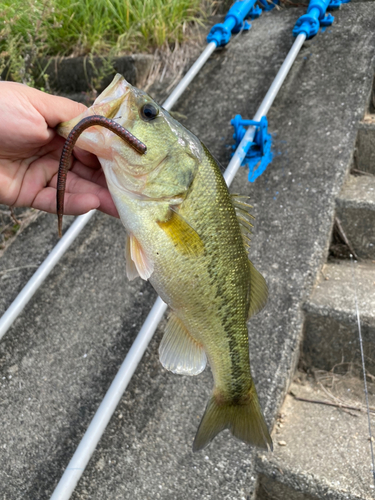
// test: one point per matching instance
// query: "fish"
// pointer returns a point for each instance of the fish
(190, 238)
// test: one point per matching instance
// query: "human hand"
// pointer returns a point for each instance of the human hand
(30, 151)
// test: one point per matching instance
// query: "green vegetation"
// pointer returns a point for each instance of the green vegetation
(31, 29)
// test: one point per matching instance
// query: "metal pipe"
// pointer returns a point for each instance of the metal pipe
(263, 109)
(37, 279)
(183, 84)
(43, 271)
(235, 16)
(106, 409)
(220, 35)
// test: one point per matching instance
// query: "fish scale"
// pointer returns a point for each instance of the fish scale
(226, 265)
(188, 236)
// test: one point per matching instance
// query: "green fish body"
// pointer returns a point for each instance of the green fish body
(189, 237)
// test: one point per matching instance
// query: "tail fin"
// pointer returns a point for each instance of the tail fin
(245, 421)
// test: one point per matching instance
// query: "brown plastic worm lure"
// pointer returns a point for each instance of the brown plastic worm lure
(70, 142)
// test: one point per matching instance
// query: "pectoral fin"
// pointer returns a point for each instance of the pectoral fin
(131, 270)
(179, 352)
(186, 240)
(137, 262)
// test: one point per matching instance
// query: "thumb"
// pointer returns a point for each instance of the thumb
(54, 109)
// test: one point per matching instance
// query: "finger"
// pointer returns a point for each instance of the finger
(32, 114)
(54, 109)
(42, 173)
(86, 158)
(78, 185)
(89, 174)
(74, 204)
(50, 164)
(54, 149)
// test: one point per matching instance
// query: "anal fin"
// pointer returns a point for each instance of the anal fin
(179, 352)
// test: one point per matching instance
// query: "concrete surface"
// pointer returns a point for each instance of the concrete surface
(365, 148)
(62, 353)
(77, 75)
(331, 328)
(81, 74)
(26, 253)
(321, 451)
(356, 212)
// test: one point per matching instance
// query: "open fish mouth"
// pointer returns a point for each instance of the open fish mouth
(114, 104)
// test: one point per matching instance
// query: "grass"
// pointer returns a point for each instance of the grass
(31, 29)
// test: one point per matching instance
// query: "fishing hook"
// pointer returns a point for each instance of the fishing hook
(67, 151)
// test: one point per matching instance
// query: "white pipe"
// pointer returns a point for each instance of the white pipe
(40, 275)
(43, 271)
(181, 87)
(107, 407)
(243, 147)
(97, 426)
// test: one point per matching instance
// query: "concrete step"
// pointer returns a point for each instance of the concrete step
(356, 212)
(321, 441)
(60, 356)
(331, 329)
(322, 449)
(364, 155)
(321, 436)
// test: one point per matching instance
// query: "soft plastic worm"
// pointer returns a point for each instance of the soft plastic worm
(72, 138)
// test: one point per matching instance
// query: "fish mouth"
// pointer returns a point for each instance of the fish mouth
(114, 103)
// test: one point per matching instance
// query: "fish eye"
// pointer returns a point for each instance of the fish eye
(149, 112)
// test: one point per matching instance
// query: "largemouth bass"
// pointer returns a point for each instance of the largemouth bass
(189, 237)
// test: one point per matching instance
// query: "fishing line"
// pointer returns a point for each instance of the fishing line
(363, 366)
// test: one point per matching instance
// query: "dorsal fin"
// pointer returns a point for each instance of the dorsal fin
(240, 202)
(257, 284)
(258, 291)
(244, 217)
